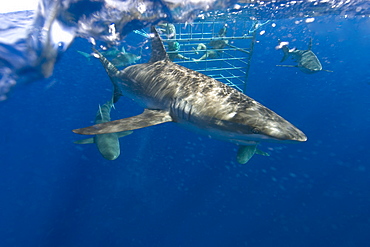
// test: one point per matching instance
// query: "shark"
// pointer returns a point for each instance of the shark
(120, 58)
(108, 144)
(169, 92)
(307, 61)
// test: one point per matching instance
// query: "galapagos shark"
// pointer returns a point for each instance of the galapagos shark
(108, 144)
(120, 58)
(307, 60)
(172, 93)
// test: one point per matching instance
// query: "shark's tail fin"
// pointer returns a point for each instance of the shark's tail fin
(112, 72)
(109, 67)
(286, 53)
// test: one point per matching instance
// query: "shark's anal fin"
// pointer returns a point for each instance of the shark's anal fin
(147, 118)
(85, 141)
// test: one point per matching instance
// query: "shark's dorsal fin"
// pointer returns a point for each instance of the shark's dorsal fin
(158, 51)
(145, 119)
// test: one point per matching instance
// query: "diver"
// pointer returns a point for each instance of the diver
(173, 46)
(214, 48)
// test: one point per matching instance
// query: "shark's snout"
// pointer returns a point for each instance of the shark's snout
(285, 132)
(110, 156)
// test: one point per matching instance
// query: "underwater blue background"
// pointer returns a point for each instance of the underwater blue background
(172, 187)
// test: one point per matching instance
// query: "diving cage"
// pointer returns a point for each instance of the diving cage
(205, 46)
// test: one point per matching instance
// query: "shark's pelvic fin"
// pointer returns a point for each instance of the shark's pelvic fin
(158, 51)
(85, 141)
(146, 119)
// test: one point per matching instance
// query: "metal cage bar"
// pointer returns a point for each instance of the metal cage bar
(200, 46)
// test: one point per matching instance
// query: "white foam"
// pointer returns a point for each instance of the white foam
(17, 5)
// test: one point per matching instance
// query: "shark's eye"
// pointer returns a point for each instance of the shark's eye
(256, 131)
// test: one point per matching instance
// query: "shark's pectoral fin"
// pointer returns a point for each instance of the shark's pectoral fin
(85, 141)
(147, 118)
(245, 153)
(260, 152)
(87, 55)
(124, 133)
(327, 70)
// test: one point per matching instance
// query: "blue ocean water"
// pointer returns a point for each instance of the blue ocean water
(172, 187)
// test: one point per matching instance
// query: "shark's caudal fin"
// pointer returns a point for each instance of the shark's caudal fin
(158, 51)
(147, 118)
(286, 53)
(109, 67)
(112, 72)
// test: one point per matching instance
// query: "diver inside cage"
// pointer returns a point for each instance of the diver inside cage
(214, 48)
(173, 46)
